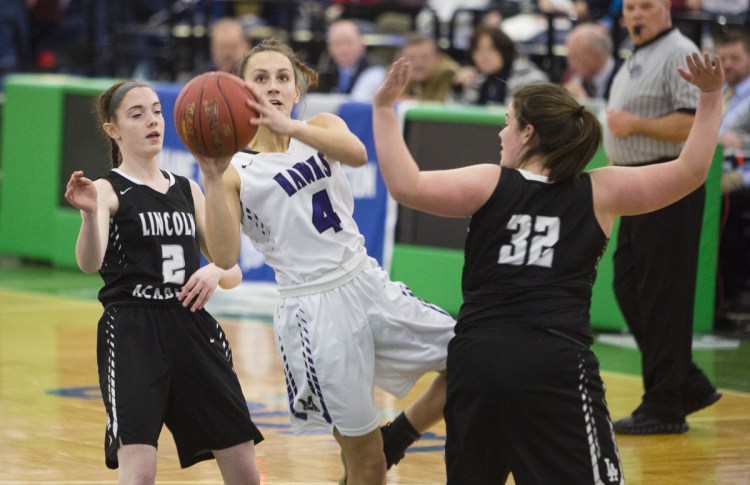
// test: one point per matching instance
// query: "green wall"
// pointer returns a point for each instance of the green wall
(32, 225)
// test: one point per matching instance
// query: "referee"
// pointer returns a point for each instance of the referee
(649, 116)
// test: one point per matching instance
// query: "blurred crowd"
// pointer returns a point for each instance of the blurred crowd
(175, 39)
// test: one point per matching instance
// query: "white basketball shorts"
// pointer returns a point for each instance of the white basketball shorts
(336, 345)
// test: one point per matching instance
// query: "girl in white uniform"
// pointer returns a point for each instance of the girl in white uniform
(341, 325)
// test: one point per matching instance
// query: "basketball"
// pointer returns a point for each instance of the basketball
(211, 115)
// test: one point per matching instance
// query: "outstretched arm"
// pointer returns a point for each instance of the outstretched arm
(454, 193)
(637, 190)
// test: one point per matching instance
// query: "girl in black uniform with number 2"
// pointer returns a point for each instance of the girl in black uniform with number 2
(162, 358)
(524, 391)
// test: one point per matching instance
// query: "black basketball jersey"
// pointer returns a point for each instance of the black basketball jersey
(153, 245)
(531, 256)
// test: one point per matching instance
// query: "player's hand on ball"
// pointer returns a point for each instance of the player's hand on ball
(212, 166)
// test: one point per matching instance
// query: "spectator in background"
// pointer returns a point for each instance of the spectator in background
(734, 50)
(736, 138)
(736, 9)
(733, 282)
(581, 10)
(591, 65)
(498, 70)
(228, 44)
(734, 257)
(433, 72)
(348, 69)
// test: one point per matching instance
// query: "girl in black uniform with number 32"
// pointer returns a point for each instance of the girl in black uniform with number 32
(162, 358)
(524, 391)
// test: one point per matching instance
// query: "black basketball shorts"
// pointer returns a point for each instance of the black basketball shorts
(166, 365)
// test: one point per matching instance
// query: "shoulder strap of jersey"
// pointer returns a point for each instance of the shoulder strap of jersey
(118, 182)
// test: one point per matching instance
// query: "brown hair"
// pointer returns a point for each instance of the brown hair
(731, 36)
(106, 107)
(566, 134)
(500, 41)
(304, 76)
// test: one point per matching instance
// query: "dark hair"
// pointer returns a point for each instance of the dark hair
(500, 41)
(733, 35)
(566, 134)
(106, 107)
(304, 76)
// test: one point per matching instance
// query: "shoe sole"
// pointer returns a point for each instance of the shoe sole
(708, 401)
(653, 429)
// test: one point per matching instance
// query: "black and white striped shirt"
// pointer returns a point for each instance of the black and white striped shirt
(648, 85)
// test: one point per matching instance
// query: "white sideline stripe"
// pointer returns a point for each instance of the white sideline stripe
(700, 341)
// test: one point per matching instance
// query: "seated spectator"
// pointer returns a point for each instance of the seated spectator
(228, 44)
(348, 69)
(734, 50)
(733, 47)
(497, 71)
(734, 258)
(736, 135)
(735, 9)
(591, 65)
(433, 72)
(735, 139)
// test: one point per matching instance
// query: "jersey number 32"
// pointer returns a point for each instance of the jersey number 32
(533, 241)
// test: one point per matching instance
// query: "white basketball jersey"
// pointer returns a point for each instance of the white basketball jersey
(297, 210)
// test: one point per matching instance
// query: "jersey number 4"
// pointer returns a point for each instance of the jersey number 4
(323, 215)
(532, 242)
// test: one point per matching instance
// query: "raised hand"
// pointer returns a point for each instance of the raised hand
(705, 74)
(394, 84)
(81, 192)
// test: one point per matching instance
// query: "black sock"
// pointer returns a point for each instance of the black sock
(398, 435)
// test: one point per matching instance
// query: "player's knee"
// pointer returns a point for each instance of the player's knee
(368, 469)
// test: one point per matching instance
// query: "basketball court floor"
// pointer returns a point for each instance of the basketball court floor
(52, 419)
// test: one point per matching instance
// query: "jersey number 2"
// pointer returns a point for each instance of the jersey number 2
(173, 263)
(323, 215)
(535, 249)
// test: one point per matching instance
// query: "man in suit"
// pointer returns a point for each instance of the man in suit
(348, 69)
(591, 65)
(228, 44)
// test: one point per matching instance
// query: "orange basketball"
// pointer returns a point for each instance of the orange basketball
(212, 117)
